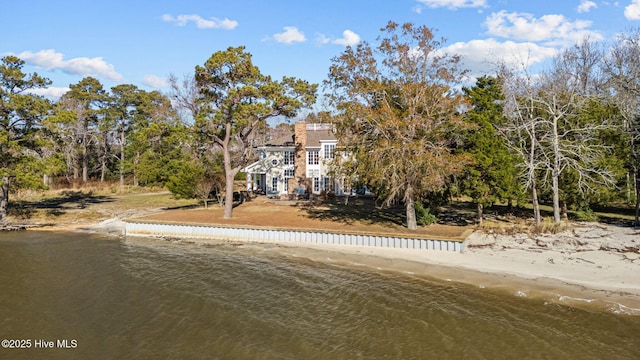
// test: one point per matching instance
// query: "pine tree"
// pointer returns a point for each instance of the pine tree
(493, 174)
(21, 133)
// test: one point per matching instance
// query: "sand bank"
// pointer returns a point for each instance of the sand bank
(593, 265)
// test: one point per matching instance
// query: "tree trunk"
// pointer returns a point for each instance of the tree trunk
(556, 199)
(536, 205)
(410, 207)
(76, 168)
(556, 172)
(480, 213)
(532, 175)
(229, 173)
(228, 197)
(565, 212)
(122, 159)
(637, 182)
(103, 168)
(4, 199)
(135, 168)
(85, 165)
(628, 189)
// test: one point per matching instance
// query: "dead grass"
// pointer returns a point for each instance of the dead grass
(360, 216)
(62, 207)
(522, 225)
(87, 206)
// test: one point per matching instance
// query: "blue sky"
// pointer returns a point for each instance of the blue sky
(141, 41)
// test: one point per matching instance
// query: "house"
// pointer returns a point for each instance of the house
(298, 164)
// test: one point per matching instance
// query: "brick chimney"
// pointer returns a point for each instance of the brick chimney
(301, 156)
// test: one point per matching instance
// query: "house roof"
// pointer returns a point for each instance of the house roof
(286, 140)
(314, 137)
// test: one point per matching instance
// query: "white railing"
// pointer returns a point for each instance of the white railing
(284, 236)
(315, 127)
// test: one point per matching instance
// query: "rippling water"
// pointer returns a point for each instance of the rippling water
(150, 299)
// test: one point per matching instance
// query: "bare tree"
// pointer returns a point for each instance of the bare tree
(622, 69)
(548, 109)
(184, 96)
(522, 129)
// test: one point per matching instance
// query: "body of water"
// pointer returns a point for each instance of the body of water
(93, 297)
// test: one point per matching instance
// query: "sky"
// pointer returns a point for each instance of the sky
(142, 42)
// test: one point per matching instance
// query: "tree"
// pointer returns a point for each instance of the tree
(124, 110)
(87, 100)
(21, 114)
(237, 100)
(184, 95)
(622, 70)
(492, 175)
(549, 130)
(131, 112)
(195, 179)
(398, 113)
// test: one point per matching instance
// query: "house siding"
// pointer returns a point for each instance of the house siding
(306, 138)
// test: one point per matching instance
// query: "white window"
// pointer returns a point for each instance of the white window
(289, 173)
(316, 184)
(329, 151)
(312, 157)
(274, 184)
(289, 158)
(326, 185)
(286, 185)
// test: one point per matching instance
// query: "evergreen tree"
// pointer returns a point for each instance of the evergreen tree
(84, 105)
(236, 100)
(21, 135)
(493, 174)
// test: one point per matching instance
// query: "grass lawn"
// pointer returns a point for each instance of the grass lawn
(455, 221)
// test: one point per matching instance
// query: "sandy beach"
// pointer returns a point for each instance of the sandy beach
(591, 265)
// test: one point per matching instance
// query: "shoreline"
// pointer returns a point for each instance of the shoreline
(589, 266)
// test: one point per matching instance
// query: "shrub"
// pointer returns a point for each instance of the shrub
(424, 215)
(586, 215)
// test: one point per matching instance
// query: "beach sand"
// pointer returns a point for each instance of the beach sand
(591, 265)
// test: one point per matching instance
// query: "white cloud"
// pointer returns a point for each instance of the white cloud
(155, 81)
(52, 60)
(52, 93)
(201, 23)
(322, 39)
(586, 6)
(480, 56)
(632, 11)
(452, 4)
(290, 35)
(349, 38)
(553, 30)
